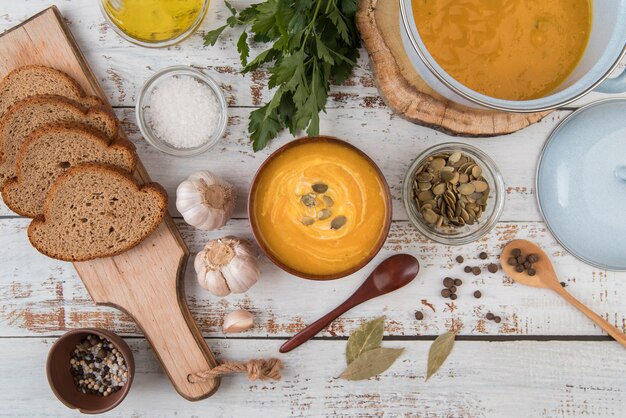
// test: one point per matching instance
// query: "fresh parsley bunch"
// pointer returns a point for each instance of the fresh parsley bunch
(313, 42)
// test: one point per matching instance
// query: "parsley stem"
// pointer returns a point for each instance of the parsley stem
(311, 25)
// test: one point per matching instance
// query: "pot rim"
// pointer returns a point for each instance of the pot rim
(323, 277)
(443, 78)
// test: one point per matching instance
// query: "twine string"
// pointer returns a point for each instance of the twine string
(257, 369)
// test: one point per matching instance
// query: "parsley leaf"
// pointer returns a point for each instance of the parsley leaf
(312, 43)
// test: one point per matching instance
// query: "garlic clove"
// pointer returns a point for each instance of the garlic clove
(215, 283)
(241, 273)
(238, 321)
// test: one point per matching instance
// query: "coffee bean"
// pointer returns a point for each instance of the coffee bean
(493, 268)
(531, 271)
(483, 255)
(458, 282)
(419, 315)
(519, 268)
(445, 293)
(459, 259)
(453, 296)
(563, 284)
(497, 319)
(489, 316)
(527, 265)
(467, 269)
(521, 259)
(452, 289)
(516, 252)
(477, 294)
(512, 261)
(533, 258)
(448, 282)
(476, 271)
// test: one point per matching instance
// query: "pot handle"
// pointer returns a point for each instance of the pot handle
(613, 85)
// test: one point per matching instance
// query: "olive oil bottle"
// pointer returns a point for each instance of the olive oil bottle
(155, 22)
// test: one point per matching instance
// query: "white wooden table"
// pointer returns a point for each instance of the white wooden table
(543, 360)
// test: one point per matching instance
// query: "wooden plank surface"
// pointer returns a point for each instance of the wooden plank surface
(41, 298)
(520, 379)
(46, 297)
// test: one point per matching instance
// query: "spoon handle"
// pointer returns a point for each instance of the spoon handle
(619, 336)
(310, 331)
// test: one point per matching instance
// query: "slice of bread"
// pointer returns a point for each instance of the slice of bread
(49, 152)
(28, 115)
(33, 80)
(95, 211)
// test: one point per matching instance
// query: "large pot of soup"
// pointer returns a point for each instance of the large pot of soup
(516, 55)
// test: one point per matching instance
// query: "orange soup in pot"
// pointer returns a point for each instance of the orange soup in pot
(508, 49)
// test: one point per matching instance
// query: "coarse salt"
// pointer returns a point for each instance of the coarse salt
(184, 112)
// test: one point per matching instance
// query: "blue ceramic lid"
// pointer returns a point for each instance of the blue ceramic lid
(581, 184)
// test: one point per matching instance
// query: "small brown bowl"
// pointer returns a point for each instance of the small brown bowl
(263, 245)
(61, 380)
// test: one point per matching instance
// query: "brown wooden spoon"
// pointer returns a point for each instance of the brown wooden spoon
(546, 278)
(392, 274)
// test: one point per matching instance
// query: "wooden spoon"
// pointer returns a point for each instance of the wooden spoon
(392, 274)
(545, 277)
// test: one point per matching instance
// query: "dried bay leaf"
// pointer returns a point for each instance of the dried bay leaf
(439, 351)
(371, 363)
(367, 337)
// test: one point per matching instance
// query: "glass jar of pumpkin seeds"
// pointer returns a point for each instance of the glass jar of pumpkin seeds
(453, 193)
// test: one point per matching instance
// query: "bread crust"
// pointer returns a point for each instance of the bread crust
(91, 133)
(40, 220)
(7, 168)
(51, 73)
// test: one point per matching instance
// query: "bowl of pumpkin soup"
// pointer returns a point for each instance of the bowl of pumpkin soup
(516, 55)
(319, 208)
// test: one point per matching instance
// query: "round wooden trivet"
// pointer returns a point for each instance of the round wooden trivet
(408, 95)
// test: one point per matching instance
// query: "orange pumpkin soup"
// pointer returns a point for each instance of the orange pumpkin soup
(508, 49)
(320, 208)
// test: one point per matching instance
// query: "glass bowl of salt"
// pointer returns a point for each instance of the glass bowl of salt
(181, 111)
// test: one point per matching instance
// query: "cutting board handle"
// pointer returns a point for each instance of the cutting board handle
(146, 282)
(176, 340)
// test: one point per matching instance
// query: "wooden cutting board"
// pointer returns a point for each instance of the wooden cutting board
(145, 282)
(408, 95)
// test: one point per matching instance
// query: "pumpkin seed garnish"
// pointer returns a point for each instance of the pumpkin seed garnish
(450, 190)
(328, 201)
(319, 188)
(307, 221)
(309, 200)
(338, 222)
(324, 214)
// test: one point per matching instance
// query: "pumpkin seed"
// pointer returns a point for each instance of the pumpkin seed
(425, 195)
(449, 190)
(467, 188)
(307, 221)
(309, 200)
(454, 157)
(480, 186)
(319, 188)
(439, 189)
(423, 185)
(324, 214)
(338, 222)
(437, 164)
(430, 216)
(328, 201)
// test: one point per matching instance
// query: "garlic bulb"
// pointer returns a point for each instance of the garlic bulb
(238, 321)
(205, 200)
(226, 265)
